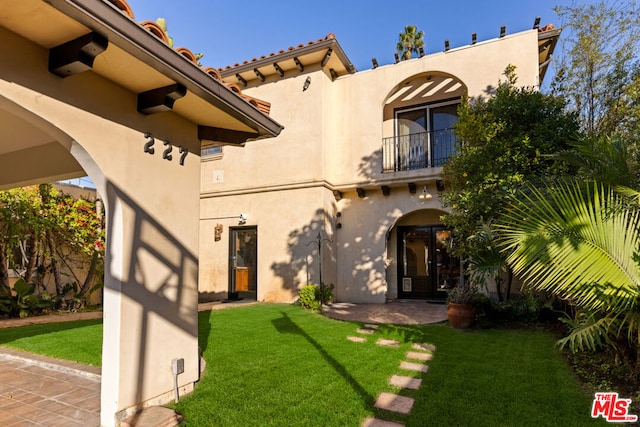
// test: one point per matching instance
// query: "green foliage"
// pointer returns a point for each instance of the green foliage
(462, 294)
(312, 297)
(579, 242)
(518, 129)
(56, 230)
(410, 41)
(600, 73)
(325, 293)
(308, 298)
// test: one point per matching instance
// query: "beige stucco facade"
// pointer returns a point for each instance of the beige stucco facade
(74, 101)
(307, 179)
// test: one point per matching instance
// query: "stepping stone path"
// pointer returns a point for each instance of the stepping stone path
(392, 402)
(405, 382)
(387, 343)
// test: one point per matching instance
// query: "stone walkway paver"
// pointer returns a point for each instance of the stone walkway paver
(411, 366)
(419, 356)
(388, 343)
(405, 382)
(394, 402)
(47, 392)
(424, 347)
(374, 422)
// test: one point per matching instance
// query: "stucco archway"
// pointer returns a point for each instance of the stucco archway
(85, 89)
(427, 219)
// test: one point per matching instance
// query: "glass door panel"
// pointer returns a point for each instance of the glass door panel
(243, 260)
(443, 120)
(425, 268)
(412, 128)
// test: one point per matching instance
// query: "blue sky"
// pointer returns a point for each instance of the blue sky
(232, 32)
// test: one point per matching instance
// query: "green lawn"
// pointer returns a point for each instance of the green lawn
(277, 365)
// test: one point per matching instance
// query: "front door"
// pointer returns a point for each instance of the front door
(425, 268)
(243, 263)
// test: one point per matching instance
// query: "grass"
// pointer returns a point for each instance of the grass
(79, 341)
(275, 365)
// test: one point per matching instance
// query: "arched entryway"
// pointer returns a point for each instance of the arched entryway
(84, 89)
(421, 265)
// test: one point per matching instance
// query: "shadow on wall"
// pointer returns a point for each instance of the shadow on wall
(363, 251)
(161, 281)
(303, 265)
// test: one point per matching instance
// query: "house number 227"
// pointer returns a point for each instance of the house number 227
(166, 154)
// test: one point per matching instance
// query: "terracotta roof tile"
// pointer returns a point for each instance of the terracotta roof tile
(156, 30)
(281, 51)
(124, 7)
(187, 54)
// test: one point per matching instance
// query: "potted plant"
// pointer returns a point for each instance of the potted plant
(460, 310)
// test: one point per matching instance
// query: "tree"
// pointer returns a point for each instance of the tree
(600, 75)
(410, 41)
(580, 243)
(506, 140)
(51, 233)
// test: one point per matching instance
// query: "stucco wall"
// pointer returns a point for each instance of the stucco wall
(288, 223)
(152, 206)
(332, 139)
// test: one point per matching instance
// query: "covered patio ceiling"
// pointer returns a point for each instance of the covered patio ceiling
(95, 36)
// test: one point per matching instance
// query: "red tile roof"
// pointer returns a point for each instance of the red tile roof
(291, 48)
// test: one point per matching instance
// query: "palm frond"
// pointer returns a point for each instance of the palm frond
(578, 242)
(588, 332)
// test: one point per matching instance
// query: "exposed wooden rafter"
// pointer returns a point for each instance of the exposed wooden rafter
(326, 57)
(160, 99)
(225, 136)
(76, 56)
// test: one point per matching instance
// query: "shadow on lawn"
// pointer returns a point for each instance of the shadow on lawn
(11, 334)
(426, 334)
(285, 325)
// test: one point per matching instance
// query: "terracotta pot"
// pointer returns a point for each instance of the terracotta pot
(460, 315)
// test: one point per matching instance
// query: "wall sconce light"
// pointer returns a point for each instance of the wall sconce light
(242, 219)
(306, 84)
(217, 232)
(425, 195)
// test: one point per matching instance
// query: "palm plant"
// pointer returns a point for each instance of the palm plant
(486, 261)
(580, 242)
(410, 41)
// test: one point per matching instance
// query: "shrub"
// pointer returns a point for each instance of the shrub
(308, 297)
(312, 297)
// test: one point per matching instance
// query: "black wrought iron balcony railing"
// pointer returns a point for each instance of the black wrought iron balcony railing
(418, 150)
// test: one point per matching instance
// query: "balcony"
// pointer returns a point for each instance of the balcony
(418, 150)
